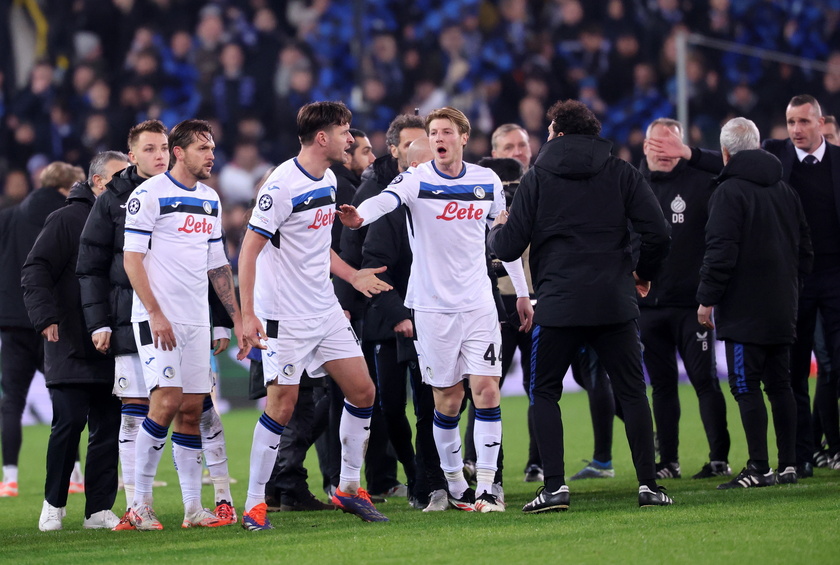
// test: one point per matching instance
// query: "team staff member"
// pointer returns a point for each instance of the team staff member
(668, 314)
(757, 245)
(573, 209)
(78, 376)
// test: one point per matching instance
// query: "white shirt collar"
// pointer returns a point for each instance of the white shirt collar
(819, 152)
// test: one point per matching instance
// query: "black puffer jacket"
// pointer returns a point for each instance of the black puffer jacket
(106, 291)
(19, 228)
(757, 245)
(573, 209)
(51, 294)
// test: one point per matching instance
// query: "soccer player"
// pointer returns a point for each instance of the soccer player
(290, 309)
(451, 203)
(107, 297)
(172, 244)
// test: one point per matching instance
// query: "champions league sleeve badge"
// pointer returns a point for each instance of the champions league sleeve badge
(133, 206)
(265, 202)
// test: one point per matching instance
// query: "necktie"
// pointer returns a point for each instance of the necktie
(810, 160)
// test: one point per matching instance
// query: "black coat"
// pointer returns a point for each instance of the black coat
(346, 184)
(683, 193)
(106, 291)
(573, 209)
(19, 228)
(757, 245)
(374, 180)
(52, 296)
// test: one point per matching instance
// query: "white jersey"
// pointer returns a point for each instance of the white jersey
(447, 226)
(180, 231)
(295, 211)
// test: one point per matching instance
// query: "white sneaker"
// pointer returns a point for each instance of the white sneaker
(488, 503)
(51, 517)
(438, 502)
(101, 520)
(499, 493)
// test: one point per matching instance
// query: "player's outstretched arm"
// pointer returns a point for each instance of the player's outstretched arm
(222, 280)
(363, 280)
(164, 337)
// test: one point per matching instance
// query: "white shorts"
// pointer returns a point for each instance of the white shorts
(450, 347)
(186, 367)
(128, 377)
(297, 345)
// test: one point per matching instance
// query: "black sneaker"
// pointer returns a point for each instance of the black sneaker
(750, 477)
(470, 473)
(668, 470)
(821, 458)
(304, 502)
(805, 470)
(533, 474)
(466, 502)
(714, 469)
(787, 477)
(648, 497)
(548, 501)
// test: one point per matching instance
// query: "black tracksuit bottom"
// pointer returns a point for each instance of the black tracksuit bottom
(74, 407)
(750, 366)
(619, 349)
(666, 331)
(22, 353)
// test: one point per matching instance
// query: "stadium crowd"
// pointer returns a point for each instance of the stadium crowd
(213, 94)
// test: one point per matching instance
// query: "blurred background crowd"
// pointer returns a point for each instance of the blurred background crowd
(100, 66)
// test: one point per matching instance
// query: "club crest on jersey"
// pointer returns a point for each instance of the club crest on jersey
(133, 206)
(479, 193)
(289, 370)
(266, 202)
(169, 373)
(208, 208)
(332, 194)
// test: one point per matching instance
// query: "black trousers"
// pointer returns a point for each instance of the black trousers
(619, 349)
(666, 331)
(826, 417)
(820, 296)
(591, 376)
(512, 339)
(750, 366)
(308, 422)
(429, 475)
(391, 377)
(74, 407)
(21, 354)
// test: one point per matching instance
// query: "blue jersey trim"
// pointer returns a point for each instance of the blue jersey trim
(140, 232)
(395, 195)
(187, 201)
(260, 231)
(304, 171)
(321, 192)
(178, 184)
(444, 175)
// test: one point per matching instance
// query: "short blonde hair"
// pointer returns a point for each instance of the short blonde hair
(454, 115)
(61, 175)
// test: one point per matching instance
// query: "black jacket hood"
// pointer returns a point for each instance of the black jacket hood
(754, 165)
(574, 156)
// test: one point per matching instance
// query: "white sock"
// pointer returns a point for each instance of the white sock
(353, 431)
(151, 439)
(76, 476)
(10, 473)
(267, 434)
(132, 418)
(488, 441)
(215, 454)
(186, 454)
(448, 442)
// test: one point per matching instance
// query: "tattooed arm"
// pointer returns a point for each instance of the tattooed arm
(222, 280)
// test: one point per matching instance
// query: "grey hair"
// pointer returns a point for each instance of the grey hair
(97, 164)
(505, 129)
(739, 134)
(665, 122)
